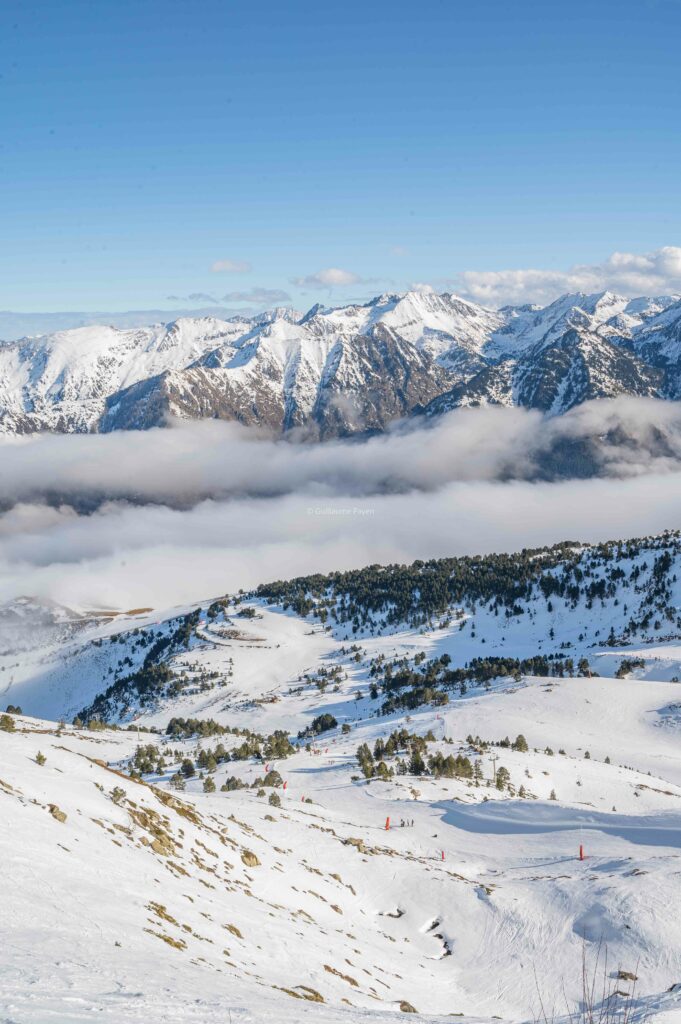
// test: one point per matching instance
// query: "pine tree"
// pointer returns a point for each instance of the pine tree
(40, 758)
(416, 764)
(208, 785)
(365, 760)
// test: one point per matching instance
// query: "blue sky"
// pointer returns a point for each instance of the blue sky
(144, 142)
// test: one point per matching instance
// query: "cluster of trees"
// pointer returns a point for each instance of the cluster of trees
(150, 759)
(519, 744)
(327, 676)
(377, 596)
(214, 609)
(407, 687)
(417, 761)
(151, 680)
(187, 728)
(97, 725)
(628, 665)
(414, 593)
(230, 785)
(451, 767)
(322, 723)
(147, 759)
(275, 746)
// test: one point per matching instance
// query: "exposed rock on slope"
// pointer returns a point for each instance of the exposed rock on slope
(343, 371)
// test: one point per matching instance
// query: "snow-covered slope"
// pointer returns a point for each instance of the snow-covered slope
(579, 348)
(579, 366)
(223, 853)
(60, 382)
(345, 370)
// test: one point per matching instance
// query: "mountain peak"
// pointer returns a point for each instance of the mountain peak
(284, 368)
(312, 312)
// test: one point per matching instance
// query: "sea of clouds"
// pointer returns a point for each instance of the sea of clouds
(174, 515)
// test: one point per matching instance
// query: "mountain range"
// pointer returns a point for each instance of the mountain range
(335, 372)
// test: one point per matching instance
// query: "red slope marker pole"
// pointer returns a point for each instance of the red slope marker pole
(581, 852)
(387, 824)
(443, 854)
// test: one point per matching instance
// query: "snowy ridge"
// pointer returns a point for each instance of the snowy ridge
(345, 370)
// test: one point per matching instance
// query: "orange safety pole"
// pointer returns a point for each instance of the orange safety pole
(581, 852)
(387, 824)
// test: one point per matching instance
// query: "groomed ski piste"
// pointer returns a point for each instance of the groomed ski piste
(285, 897)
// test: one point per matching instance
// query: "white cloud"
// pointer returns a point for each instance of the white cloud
(630, 274)
(127, 556)
(194, 460)
(225, 507)
(331, 277)
(202, 297)
(259, 296)
(231, 267)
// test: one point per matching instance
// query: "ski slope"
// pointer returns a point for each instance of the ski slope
(131, 899)
(464, 934)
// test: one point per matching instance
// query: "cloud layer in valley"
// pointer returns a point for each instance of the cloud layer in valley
(205, 508)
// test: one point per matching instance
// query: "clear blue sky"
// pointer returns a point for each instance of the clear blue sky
(144, 140)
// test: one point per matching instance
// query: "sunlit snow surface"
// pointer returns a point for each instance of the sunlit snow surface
(96, 923)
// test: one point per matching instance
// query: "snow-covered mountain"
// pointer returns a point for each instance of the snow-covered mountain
(346, 370)
(351, 797)
(580, 347)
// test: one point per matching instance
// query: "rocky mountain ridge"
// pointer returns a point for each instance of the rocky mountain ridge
(343, 371)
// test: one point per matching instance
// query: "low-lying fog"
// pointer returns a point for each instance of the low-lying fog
(171, 516)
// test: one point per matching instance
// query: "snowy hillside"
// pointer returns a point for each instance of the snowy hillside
(346, 370)
(223, 850)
